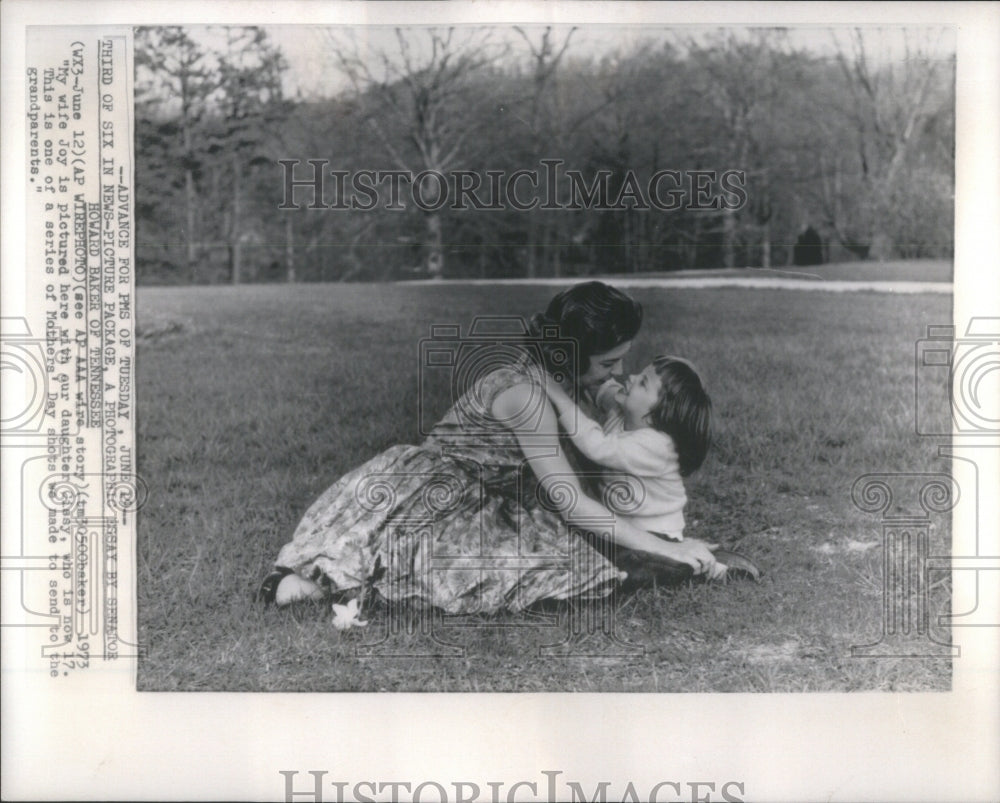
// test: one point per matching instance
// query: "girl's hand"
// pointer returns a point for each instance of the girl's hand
(696, 554)
(610, 395)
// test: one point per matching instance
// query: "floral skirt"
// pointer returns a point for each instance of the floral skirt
(423, 526)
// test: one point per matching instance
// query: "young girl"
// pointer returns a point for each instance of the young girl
(657, 431)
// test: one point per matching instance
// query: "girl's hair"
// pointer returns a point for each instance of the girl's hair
(683, 411)
(596, 316)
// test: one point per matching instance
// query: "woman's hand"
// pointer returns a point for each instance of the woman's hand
(541, 447)
(696, 554)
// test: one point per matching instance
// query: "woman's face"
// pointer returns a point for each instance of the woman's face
(603, 366)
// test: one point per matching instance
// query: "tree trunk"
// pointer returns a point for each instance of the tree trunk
(235, 226)
(729, 238)
(235, 260)
(532, 267)
(882, 246)
(435, 247)
(545, 249)
(631, 246)
(189, 202)
(289, 249)
(190, 199)
(691, 246)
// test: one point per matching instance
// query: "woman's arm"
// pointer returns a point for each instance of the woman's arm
(539, 441)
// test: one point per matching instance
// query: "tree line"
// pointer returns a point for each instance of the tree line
(847, 155)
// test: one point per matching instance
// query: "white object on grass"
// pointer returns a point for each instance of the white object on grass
(346, 616)
(293, 588)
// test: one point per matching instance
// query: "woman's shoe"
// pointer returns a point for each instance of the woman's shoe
(268, 591)
(293, 588)
(738, 567)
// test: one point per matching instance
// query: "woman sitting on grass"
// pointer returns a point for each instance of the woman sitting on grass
(486, 513)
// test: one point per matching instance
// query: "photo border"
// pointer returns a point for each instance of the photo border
(94, 736)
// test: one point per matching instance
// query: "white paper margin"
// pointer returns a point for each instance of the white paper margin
(98, 739)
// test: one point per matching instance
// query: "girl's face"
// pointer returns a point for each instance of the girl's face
(641, 394)
(603, 366)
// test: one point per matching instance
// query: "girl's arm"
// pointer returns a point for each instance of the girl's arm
(644, 455)
(645, 452)
(539, 441)
(560, 399)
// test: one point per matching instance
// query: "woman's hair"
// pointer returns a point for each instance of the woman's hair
(683, 411)
(596, 316)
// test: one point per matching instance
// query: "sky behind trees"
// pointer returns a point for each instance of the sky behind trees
(311, 65)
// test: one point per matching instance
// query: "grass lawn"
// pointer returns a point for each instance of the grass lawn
(252, 400)
(913, 270)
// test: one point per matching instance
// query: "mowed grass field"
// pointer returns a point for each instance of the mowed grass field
(909, 270)
(254, 399)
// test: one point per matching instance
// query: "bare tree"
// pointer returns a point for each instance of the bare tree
(250, 100)
(414, 96)
(544, 126)
(172, 69)
(890, 97)
(745, 80)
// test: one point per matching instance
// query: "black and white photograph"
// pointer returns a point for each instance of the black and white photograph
(541, 358)
(483, 375)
